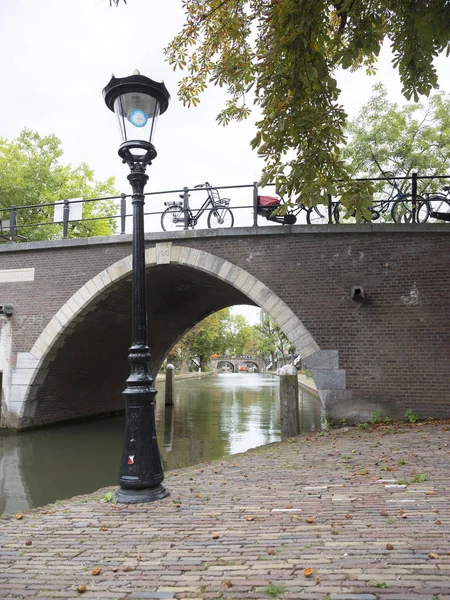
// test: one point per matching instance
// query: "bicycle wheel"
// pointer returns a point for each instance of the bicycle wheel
(317, 215)
(220, 216)
(172, 219)
(438, 207)
(423, 211)
(402, 210)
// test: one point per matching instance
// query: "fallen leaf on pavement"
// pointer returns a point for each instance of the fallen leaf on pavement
(81, 589)
(96, 571)
(308, 572)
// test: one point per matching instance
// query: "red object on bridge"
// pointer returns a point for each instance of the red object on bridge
(268, 201)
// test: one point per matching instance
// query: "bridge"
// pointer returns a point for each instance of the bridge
(238, 364)
(366, 306)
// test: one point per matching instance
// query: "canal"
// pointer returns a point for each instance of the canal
(212, 417)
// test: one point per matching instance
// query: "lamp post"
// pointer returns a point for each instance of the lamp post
(137, 102)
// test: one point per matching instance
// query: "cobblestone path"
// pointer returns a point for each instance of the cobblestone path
(346, 515)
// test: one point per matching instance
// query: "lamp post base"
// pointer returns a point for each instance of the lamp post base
(127, 496)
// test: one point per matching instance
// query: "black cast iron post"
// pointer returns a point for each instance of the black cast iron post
(137, 102)
(141, 472)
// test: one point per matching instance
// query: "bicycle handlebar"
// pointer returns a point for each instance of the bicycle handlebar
(201, 185)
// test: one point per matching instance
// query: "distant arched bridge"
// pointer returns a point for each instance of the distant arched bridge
(236, 364)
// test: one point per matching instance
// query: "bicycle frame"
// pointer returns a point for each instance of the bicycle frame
(193, 218)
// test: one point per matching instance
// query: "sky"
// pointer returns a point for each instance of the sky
(57, 55)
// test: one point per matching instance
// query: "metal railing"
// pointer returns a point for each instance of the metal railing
(14, 220)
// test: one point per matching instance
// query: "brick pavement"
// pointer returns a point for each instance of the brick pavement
(248, 526)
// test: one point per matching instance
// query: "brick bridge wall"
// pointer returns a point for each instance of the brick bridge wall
(63, 351)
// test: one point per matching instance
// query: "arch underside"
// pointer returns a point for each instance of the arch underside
(222, 363)
(83, 369)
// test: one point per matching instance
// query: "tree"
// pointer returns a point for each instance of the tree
(221, 333)
(288, 52)
(385, 138)
(204, 338)
(271, 340)
(236, 336)
(30, 174)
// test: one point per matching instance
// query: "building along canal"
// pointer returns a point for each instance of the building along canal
(212, 417)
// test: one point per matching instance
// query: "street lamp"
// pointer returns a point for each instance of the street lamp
(137, 102)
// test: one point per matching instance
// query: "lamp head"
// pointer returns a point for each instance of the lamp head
(137, 102)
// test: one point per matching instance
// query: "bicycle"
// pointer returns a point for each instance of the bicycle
(396, 201)
(435, 207)
(219, 213)
(268, 208)
(268, 205)
(318, 215)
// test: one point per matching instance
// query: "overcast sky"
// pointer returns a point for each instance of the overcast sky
(57, 55)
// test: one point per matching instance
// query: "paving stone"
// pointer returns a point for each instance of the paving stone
(285, 507)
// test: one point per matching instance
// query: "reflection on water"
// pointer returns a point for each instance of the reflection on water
(211, 417)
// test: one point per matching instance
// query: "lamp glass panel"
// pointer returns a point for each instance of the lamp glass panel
(137, 115)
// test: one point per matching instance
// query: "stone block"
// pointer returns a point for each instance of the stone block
(232, 274)
(163, 253)
(256, 290)
(184, 253)
(268, 303)
(192, 256)
(329, 379)
(25, 360)
(290, 324)
(208, 262)
(323, 359)
(283, 317)
(174, 257)
(278, 309)
(21, 376)
(224, 270)
(241, 279)
(248, 284)
(105, 278)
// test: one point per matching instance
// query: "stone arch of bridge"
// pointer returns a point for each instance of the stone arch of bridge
(80, 354)
(251, 362)
(225, 362)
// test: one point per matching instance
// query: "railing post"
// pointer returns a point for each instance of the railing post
(255, 204)
(12, 223)
(414, 196)
(123, 212)
(186, 207)
(66, 211)
(330, 209)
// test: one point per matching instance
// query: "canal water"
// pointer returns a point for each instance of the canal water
(212, 417)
